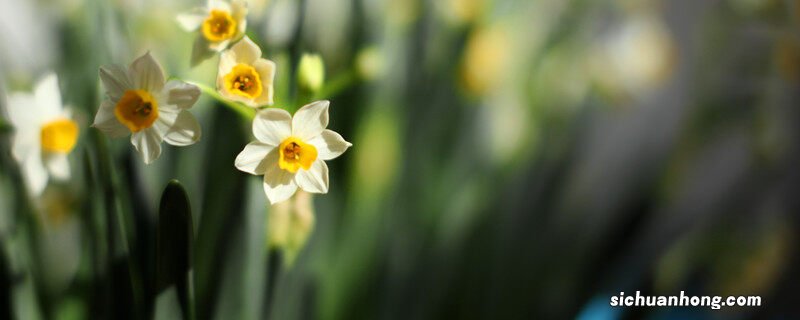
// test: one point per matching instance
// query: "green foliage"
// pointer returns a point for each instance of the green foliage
(174, 242)
(551, 177)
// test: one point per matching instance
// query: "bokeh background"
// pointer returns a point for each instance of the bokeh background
(512, 159)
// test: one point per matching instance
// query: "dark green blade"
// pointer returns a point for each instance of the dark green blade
(174, 244)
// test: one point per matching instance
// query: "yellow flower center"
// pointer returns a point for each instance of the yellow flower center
(218, 26)
(59, 136)
(137, 110)
(244, 80)
(296, 154)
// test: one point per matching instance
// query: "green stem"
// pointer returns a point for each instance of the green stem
(4, 126)
(247, 113)
(337, 85)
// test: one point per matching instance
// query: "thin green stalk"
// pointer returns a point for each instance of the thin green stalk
(337, 85)
(247, 113)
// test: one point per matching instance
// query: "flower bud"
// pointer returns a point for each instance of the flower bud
(311, 72)
(289, 225)
(369, 63)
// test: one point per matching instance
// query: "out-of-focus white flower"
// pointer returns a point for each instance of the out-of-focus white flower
(33, 49)
(140, 102)
(280, 21)
(290, 152)
(637, 57)
(244, 76)
(44, 134)
(219, 23)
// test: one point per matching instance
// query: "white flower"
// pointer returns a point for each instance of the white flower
(244, 76)
(290, 152)
(638, 56)
(44, 134)
(140, 102)
(219, 23)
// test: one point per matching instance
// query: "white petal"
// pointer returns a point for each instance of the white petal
(146, 73)
(22, 112)
(192, 20)
(315, 179)
(184, 131)
(272, 125)
(115, 80)
(48, 97)
(218, 46)
(246, 51)
(266, 69)
(238, 9)
(167, 115)
(34, 173)
(310, 120)
(227, 60)
(329, 144)
(239, 13)
(58, 165)
(106, 121)
(181, 94)
(227, 94)
(219, 5)
(279, 184)
(148, 143)
(24, 143)
(256, 158)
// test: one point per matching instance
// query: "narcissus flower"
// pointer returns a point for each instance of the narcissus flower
(141, 103)
(219, 23)
(290, 152)
(244, 76)
(44, 134)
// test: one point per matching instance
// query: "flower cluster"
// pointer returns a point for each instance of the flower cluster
(289, 151)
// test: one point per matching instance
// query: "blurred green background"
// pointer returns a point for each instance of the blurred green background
(512, 159)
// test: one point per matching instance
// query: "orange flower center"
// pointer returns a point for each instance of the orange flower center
(296, 154)
(137, 110)
(218, 26)
(244, 80)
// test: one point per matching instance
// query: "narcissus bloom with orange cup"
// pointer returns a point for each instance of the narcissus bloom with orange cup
(44, 134)
(291, 152)
(218, 24)
(243, 76)
(141, 103)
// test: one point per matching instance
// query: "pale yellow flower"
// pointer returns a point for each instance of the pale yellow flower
(244, 76)
(218, 24)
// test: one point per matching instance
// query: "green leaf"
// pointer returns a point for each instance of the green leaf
(167, 306)
(174, 241)
(222, 208)
(5, 127)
